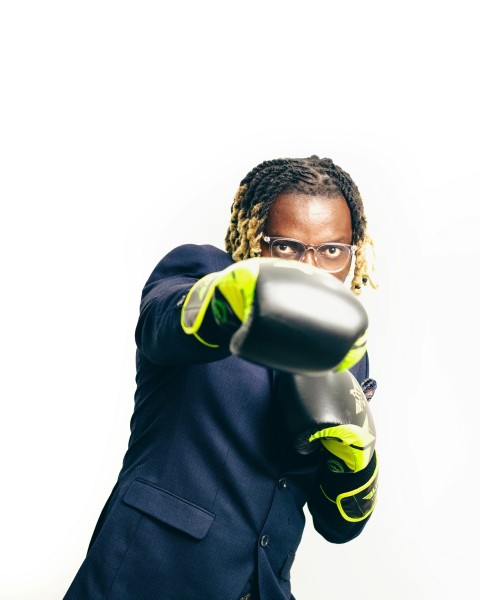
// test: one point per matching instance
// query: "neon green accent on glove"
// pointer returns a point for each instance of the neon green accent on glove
(227, 295)
(355, 498)
(352, 444)
(355, 353)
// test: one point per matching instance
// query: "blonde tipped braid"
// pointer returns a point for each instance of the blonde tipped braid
(254, 231)
(254, 235)
(241, 251)
(231, 239)
(364, 267)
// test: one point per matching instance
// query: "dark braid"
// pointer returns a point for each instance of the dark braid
(311, 176)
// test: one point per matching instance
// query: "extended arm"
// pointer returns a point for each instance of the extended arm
(280, 314)
(159, 335)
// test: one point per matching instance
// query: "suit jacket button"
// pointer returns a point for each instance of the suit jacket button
(282, 483)
(264, 540)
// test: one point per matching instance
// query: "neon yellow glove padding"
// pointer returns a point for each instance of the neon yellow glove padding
(355, 353)
(234, 286)
(354, 445)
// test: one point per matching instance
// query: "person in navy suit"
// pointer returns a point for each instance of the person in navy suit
(209, 501)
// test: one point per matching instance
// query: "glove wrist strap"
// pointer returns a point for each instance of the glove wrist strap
(356, 503)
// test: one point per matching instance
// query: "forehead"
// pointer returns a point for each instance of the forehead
(313, 219)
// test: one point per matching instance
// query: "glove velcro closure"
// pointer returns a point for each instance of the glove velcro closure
(355, 494)
(195, 306)
(218, 303)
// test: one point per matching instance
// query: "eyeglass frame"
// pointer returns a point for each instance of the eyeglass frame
(306, 247)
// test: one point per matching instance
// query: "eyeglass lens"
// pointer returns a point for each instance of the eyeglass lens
(330, 257)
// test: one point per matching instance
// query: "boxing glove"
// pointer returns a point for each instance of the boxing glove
(330, 414)
(281, 314)
(330, 410)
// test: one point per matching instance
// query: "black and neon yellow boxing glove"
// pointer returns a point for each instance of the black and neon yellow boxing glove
(329, 414)
(353, 493)
(281, 314)
(218, 304)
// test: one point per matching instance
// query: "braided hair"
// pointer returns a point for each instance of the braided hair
(311, 176)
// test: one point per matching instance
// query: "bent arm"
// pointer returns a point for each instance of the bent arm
(342, 503)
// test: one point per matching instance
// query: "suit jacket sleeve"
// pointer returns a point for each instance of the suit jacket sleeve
(158, 335)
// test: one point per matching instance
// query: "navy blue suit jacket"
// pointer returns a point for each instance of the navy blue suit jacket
(209, 501)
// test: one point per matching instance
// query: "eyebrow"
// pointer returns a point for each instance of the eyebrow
(340, 240)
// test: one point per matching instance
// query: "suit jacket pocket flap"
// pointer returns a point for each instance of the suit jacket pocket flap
(169, 509)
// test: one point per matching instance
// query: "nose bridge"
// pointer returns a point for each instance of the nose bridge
(308, 255)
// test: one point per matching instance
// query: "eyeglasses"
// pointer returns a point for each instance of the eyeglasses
(331, 256)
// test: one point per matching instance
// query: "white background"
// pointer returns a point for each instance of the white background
(125, 129)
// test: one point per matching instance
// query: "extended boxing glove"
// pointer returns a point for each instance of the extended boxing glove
(329, 414)
(281, 314)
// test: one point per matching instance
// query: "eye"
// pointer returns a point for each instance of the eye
(333, 251)
(286, 248)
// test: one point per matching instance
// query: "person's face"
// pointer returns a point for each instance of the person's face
(312, 220)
